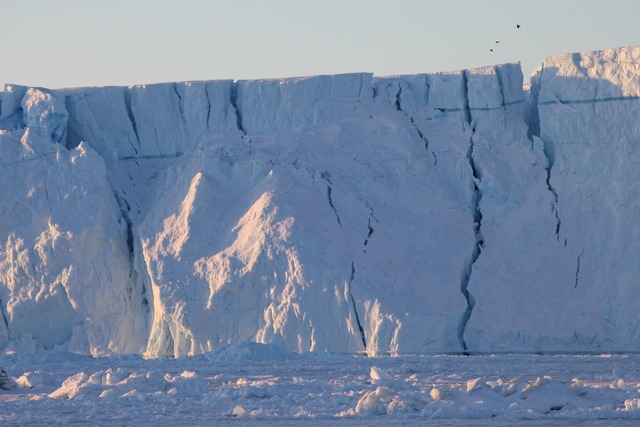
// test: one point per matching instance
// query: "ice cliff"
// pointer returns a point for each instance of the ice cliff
(445, 212)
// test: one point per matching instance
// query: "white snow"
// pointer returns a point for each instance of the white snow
(262, 385)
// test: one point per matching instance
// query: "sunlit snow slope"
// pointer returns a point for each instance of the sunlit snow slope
(441, 212)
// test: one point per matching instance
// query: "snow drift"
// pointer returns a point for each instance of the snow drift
(442, 212)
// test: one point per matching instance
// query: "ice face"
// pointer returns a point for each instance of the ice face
(270, 105)
(585, 112)
(162, 120)
(64, 264)
(426, 213)
(302, 250)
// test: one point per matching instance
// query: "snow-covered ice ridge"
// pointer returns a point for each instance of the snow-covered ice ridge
(445, 212)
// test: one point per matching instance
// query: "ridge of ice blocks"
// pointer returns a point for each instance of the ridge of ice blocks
(442, 212)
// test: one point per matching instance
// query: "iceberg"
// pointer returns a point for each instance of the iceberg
(443, 212)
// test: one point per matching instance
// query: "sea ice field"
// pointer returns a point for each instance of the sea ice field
(263, 384)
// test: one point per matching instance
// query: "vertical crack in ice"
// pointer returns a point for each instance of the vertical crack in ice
(68, 139)
(578, 269)
(398, 106)
(155, 135)
(534, 112)
(554, 205)
(477, 248)
(466, 107)
(547, 146)
(558, 221)
(355, 310)
(424, 138)
(180, 104)
(549, 154)
(501, 85)
(95, 272)
(399, 97)
(326, 176)
(234, 102)
(335, 211)
(127, 104)
(4, 315)
(370, 229)
(125, 208)
(372, 213)
(206, 93)
(369, 234)
(427, 92)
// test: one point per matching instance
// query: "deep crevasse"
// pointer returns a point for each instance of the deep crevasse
(224, 186)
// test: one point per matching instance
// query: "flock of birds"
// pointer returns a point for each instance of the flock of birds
(498, 41)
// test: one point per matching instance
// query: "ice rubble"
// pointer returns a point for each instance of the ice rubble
(264, 384)
(351, 213)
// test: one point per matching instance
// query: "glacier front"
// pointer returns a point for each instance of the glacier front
(445, 212)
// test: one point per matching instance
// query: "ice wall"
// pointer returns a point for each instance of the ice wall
(348, 213)
(165, 120)
(271, 105)
(571, 286)
(161, 120)
(307, 245)
(594, 172)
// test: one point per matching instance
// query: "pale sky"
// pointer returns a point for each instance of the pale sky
(67, 43)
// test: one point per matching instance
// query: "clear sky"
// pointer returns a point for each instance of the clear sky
(65, 43)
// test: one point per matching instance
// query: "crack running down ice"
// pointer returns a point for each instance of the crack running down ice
(234, 103)
(578, 269)
(477, 248)
(398, 106)
(547, 149)
(477, 223)
(4, 315)
(132, 118)
(355, 310)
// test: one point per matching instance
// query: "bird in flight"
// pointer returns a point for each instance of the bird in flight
(498, 41)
